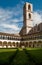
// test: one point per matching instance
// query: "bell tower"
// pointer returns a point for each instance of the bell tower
(27, 17)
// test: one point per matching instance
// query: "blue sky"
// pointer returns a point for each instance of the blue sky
(11, 14)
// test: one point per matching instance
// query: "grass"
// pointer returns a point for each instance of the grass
(7, 50)
(36, 53)
(21, 58)
(28, 56)
(5, 55)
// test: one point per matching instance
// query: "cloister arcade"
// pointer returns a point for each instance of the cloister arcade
(17, 44)
(15, 41)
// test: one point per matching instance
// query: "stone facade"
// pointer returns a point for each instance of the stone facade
(27, 18)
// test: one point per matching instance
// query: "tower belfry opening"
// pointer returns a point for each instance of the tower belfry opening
(29, 16)
(29, 7)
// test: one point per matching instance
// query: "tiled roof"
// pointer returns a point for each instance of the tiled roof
(8, 34)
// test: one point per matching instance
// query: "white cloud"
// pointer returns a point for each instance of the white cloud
(15, 27)
(37, 17)
(10, 18)
(7, 20)
(17, 20)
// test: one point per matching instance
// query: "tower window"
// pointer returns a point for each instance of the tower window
(29, 16)
(29, 7)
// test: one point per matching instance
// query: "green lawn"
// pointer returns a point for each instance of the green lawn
(5, 54)
(28, 56)
(36, 54)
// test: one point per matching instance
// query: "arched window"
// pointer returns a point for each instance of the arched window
(29, 16)
(29, 7)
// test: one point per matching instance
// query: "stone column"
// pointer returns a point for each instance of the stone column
(32, 44)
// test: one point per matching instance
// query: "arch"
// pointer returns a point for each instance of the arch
(0, 43)
(39, 44)
(22, 44)
(13, 43)
(39, 41)
(5, 44)
(30, 44)
(9, 43)
(29, 7)
(35, 44)
(26, 44)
